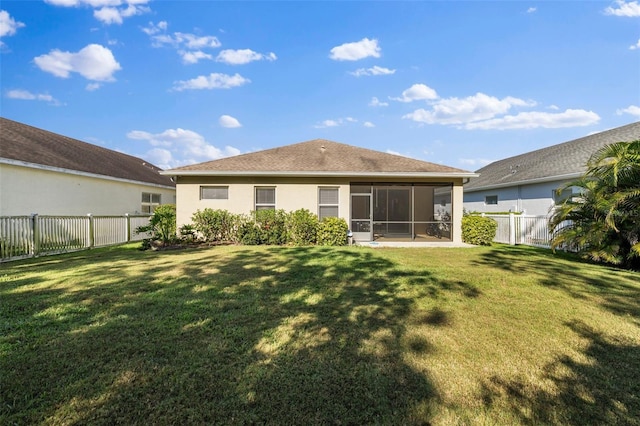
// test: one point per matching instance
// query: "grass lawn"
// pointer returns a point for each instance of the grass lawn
(272, 335)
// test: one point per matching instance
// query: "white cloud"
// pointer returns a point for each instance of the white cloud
(178, 147)
(229, 122)
(628, 9)
(93, 62)
(532, 9)
(335, 123)
(155, 28)
(368, 124)
(185, 40)
(631, 110)
(466, 110)
(417, 92)
(375, 70)
(212, 81)
(193, 57)
(108, 11)
(375, 102)
(243, 56)
(25, 95)
(8, 25)
(535, 119)
(635, 46)
(356, 50)
(93, 86)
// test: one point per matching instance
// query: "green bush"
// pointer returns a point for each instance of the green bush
(332, 231)
(302, 227)
(162, 225)
(478, 230)
(215, 225)
(272, 226)
(248, 232)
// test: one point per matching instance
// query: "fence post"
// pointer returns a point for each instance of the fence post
(512, 229)
(128, 238)
(90, 225)
(35, 234)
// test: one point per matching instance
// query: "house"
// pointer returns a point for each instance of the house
(527, 183)
(381, 196)
(50, 174)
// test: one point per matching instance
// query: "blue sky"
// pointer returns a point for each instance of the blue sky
(457, 83)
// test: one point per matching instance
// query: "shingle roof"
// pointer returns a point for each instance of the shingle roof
(565, 160)
(316, 157)
(29, 144)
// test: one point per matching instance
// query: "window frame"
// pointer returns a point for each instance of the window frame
(490, 197)
(335, 205)
(150, 205)
(203, 187)
(263, 206)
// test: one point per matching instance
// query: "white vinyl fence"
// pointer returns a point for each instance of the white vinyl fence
(35, 235)
(522, 229)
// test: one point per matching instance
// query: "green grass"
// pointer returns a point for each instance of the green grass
(264, 335)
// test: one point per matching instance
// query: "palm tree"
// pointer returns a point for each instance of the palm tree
(602, 221)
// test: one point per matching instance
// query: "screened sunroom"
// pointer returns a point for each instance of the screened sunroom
(401, 212)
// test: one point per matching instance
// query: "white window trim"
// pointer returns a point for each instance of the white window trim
(202, 187)
(336, 204)
(255, 198)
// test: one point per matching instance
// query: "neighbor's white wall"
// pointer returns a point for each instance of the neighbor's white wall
(26, 190)
(534, 199)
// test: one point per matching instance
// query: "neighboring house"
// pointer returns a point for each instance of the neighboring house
(50, 174)
(527, 183)
(381, 196)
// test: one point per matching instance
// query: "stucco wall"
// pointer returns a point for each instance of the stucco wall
(26, 190)
(291, 194)
(535, 199)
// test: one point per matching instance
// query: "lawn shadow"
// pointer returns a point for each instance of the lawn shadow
(614, 289)
(577, 396)
(268, 336)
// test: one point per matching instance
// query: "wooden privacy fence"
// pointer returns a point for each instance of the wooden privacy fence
(35, 235)
(522, 229)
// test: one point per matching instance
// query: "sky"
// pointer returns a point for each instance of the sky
(459, 83)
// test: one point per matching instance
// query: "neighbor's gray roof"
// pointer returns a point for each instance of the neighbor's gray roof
(318, 157)
(22, 143)
(558, 162)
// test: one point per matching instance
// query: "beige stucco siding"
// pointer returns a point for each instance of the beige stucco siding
(292, 193)
(28, 190)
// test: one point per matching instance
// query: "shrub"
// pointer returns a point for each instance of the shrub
(478, 230)
(215, 225)
(332, 231)
(188, 233)
(162, 226)
(302, 227)
(272, 226)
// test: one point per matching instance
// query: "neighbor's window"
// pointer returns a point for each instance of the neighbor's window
(214, 192)
(149, 202)
(265, 198)
(560, 197)
(327, 202)
(491, 200)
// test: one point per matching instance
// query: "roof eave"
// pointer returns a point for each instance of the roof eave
(319, 174)
(526, 182)
(20, 163)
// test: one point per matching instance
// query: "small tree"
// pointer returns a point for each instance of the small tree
(162, 224)
(602, 221)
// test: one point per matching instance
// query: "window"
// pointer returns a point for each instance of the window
(560, 197)
(149, 202)
(327, 202)
(265, 198)
(214, 192)
(491, 200)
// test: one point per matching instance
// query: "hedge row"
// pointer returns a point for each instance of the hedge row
(273, 227)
